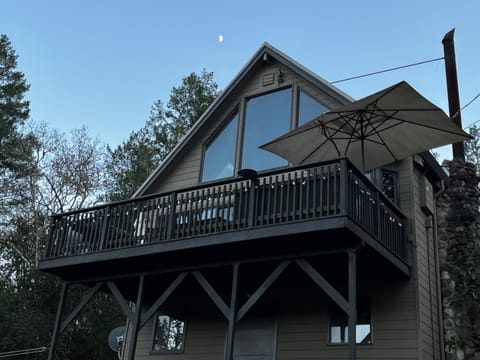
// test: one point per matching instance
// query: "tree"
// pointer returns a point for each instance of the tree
(14, 109)
(66, 172)
(14, 150)
(472, 148)
(131, 162)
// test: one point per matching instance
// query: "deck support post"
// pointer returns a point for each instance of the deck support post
(137, 319)
(232, 315)
(352, 305)
(58, 320)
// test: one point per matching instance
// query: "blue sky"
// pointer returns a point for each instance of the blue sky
(103, 63)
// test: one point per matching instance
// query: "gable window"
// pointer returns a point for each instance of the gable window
(338, 324)
(266, 117)
(168, 335)
(219, 157)
(260, 119)
(308, 108)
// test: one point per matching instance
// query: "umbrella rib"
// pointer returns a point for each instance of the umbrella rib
(329, 138)
(430, 126)
(382, 142)
(340, 111)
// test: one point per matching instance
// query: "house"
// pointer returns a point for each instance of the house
(318, 261)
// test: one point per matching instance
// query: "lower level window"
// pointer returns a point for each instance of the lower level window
(338, 329)
(169, 334)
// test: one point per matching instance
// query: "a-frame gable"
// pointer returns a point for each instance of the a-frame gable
(182, 167)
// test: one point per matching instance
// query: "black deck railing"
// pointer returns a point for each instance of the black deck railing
(327, 189)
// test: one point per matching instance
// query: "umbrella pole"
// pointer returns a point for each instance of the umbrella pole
(363, 155)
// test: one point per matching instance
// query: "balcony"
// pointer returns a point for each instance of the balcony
(309, 208)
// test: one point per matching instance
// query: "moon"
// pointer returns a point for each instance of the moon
(220, 38)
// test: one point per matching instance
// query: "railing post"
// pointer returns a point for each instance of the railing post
(344, 194)
(378, 214)
(251, 202)
(172, 216)
(106, 214)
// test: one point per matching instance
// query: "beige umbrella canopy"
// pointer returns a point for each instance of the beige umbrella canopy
(379, 129)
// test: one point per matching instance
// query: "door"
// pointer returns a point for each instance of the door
(255, 339)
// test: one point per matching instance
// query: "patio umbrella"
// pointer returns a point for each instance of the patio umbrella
(379, 129)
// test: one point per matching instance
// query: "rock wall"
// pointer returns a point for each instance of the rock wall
(458, 218)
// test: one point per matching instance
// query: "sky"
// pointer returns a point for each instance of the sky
(103, 63)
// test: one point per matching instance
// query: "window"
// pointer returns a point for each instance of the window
(338, 328)
(308, 108)
(266, 117)
(169, 334)
(219, 157)
(390, 184)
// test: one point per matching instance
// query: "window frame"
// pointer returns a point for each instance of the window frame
(334, 307)
(396, 185)
(154, 329)
(223, 124)
(243, 117)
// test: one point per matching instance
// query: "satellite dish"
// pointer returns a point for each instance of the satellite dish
(115, 338)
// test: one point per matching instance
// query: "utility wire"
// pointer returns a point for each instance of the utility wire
(464, 106)
(387, 70)
(406, 66)
(469, 126)
(470, 102)
(8, 354)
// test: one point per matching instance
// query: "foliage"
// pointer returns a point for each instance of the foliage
(472, 148)
(44, 171)
(70, 169)
(466, 297)
(131, 162)
(14, 109)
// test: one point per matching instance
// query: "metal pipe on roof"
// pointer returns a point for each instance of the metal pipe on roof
(458, 149)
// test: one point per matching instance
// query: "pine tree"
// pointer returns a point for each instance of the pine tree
(136, 158)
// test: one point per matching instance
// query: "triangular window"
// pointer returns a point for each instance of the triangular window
(308, 108)
(219, 157)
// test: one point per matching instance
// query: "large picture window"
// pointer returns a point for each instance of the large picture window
(266, 117)
(168, 335)
(263, 118)
(338, 327)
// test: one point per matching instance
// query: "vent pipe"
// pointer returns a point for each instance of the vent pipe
(458, 149)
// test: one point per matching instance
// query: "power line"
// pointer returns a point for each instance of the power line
(14, 353)
(469, 126)
(411, 65)
(464, 106)
(387, 70)
(471, 101)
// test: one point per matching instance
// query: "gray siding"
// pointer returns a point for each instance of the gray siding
(204, 340)
(303, 328)
(426, 276)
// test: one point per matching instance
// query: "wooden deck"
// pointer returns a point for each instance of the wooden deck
(316, 197)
